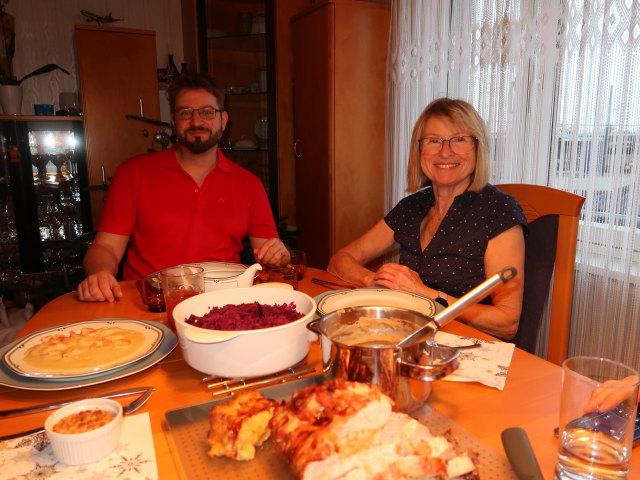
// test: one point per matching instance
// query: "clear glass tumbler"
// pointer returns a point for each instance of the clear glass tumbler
(598, 408)
(178, 284)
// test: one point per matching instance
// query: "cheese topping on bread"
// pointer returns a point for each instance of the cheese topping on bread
(239, 425)
(337, 430)
(349, 431)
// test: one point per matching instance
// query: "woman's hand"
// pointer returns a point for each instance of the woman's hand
(604, 399)
(399, 277)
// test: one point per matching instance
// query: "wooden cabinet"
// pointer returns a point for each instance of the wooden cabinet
(117, 76)
(339, 55)
(238, 52)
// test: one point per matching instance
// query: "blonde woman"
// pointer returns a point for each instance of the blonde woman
(455, 231)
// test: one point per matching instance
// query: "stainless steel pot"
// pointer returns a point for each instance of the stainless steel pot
(393, 347)
(360, 344)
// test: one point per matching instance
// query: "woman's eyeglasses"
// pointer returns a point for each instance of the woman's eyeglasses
(205, 113)
(458, 144)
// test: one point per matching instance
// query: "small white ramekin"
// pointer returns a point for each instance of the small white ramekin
(86, 447)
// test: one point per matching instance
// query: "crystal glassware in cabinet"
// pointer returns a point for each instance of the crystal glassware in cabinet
(47, 175)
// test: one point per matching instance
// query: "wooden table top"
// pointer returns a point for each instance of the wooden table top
(530, 399)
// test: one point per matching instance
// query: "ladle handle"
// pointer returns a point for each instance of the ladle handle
(474, 296)
(470, 298)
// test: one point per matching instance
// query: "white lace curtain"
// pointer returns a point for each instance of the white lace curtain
(558, 82)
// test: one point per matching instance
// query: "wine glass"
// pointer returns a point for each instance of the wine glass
(40, 160)
(59, 160)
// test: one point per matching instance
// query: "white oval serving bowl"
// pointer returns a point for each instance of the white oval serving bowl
(85, 447)
(243, 353)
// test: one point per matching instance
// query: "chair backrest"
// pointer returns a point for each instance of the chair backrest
(551, 248)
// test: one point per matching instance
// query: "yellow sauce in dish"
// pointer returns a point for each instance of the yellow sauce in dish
(91, 349)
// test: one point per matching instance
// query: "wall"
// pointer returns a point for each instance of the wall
(44, 34)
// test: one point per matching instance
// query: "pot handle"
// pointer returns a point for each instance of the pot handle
(430, 372)
(326, 346)
(195, 336)
(313, 326)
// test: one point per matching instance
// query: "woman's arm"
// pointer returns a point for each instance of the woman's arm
(501, 318)
(347, 263)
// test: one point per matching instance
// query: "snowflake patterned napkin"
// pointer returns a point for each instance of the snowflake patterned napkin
(487, 364)
(134, 458)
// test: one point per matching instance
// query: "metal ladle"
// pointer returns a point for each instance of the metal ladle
(453, 310)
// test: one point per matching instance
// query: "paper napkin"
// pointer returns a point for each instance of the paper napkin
(134, 458)
(487, 364)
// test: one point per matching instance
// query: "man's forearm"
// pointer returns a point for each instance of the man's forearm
(100, 259)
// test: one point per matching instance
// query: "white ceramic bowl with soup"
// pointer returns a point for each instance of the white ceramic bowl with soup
(243, 353)
(85, 431)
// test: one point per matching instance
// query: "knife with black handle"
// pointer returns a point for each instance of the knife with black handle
(520, 454)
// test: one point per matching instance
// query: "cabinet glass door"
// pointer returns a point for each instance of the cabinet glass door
(238, 53)
(43, 191)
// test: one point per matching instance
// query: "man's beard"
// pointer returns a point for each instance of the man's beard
(197, 145)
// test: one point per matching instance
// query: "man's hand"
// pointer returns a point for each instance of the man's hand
(99, 287)
(272, 252)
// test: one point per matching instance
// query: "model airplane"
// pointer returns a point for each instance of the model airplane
(92, 17)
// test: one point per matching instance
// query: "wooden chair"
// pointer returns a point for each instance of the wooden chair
(551, 249)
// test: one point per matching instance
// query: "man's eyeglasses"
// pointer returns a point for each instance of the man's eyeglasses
(458, 144)
(205, 113)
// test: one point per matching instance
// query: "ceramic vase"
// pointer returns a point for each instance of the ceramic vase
(11, 99)
(172, 70)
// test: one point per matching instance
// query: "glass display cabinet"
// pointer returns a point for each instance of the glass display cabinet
(44, 202)
(236, 47)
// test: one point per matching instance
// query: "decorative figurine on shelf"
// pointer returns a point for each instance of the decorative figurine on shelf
(99, 19)
(172, 70)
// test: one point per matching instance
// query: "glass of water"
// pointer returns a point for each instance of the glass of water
(597, 417)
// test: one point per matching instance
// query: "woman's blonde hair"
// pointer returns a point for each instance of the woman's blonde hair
(464, 116)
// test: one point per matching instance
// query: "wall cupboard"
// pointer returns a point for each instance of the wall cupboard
(339, 72)
(117, 74)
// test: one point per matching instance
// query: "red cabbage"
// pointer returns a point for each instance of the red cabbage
(246, 316)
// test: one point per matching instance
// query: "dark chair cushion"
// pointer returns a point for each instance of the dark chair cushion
(540, 256)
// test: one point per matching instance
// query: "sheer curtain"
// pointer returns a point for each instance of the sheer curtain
(558, 82)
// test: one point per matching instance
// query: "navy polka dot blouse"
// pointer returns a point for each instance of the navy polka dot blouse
(453, 262)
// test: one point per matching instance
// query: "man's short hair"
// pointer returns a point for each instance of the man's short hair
(193, 81)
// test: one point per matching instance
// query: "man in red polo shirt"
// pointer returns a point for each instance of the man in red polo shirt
(186, 204)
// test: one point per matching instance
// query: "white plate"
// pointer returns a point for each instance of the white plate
(10, 379)
(15, 361)
(377, 297)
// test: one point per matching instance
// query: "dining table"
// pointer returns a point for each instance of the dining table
(530, 398)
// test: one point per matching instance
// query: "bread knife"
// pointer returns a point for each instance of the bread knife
(50, 406)
(520, 454)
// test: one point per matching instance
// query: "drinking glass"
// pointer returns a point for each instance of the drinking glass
(298, 262)
(596, 444)
(178, 284)
(286, 274)
(150, 288)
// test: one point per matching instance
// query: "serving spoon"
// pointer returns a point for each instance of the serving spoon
(453, 310)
